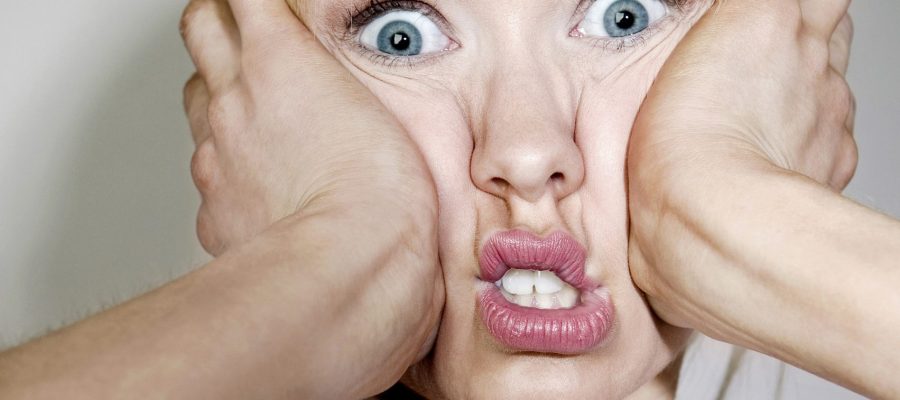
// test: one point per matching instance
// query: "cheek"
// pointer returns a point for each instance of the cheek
(603, 129)
(435, 121)
(606, 116)
(438, 127)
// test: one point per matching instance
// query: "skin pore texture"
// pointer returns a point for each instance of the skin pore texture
(322, 210)
(525, 126)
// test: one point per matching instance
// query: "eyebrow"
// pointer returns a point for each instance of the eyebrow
(326, 8)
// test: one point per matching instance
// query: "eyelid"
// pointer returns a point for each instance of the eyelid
(362, 16)
(674, 9)
(374, 9)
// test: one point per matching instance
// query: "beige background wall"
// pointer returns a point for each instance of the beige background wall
(96, 202)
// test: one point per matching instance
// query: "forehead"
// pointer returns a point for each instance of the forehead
(328, 13)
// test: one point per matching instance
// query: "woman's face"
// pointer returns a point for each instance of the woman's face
(522, 110)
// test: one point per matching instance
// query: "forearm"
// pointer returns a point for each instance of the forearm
(278, 317)
(784, 266)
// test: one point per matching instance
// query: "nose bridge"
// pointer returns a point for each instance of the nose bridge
(524, 143)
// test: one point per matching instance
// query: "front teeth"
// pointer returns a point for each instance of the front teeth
(537, 289)
(518, 281)
(546, 282)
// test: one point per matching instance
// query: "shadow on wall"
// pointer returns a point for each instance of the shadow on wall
(126, 222)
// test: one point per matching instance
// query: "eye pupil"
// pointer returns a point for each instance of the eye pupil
(400, 41)
(400, 38)
(626, 17)
(624, 20)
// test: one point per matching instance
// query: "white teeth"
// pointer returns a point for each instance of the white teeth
(546, 301)
(546, 282)
(518, 281)
(537, 289)
(524, 301)
(568, 297)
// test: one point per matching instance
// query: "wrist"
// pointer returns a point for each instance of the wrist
(692, 217)
(333, 266)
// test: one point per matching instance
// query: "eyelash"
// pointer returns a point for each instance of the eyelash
(360, 16)
(620, 44)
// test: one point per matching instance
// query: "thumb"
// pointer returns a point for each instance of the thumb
(278, 48)
(267, 22)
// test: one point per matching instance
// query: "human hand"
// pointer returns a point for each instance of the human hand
(756, 87)
(283, 131)
(280, 127)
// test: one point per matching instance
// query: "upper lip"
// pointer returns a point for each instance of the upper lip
(557, 252)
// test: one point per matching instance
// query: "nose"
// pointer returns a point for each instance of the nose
(525, 143)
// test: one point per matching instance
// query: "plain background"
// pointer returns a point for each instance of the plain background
(97, 203)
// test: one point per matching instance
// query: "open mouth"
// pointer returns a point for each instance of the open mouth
(535, 295)
(537, 289)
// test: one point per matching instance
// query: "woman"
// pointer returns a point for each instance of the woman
(525, 139)
(494, 135)
(523, 114)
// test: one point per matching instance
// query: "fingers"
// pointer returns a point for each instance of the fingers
(278, 50)
(839, 47)
(213, 41)
(196, 106)
(206, 177)
(850, 123)
(845, 167)
(822, 16)
(839, 53)
(262, 21)
(206, 232)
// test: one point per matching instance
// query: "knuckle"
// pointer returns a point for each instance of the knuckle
(221, 113)
(188, 15)
(848, 162)
(842, 38)
(852, 153)
(818, 55)
(206, 231)
(844, 98)
(203, 167)
(191, 15)
(191, 87)
(849, 26)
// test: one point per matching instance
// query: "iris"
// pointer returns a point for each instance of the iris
(400, 38)
(625, 17)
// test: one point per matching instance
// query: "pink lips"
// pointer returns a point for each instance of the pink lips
(562, 331)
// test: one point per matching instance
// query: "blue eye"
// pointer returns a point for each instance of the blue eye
(404, 34)
(620, 18)
(625, 17)
(400, 38)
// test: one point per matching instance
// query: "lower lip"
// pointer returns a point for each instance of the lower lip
(562, 331)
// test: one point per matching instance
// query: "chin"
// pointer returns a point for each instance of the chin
(468, 362)
(534, 376)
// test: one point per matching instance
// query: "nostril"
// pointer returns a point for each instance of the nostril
(556, 179)
(500, 183)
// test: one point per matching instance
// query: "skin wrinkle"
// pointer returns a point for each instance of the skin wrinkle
(242, 306)
(499, 97)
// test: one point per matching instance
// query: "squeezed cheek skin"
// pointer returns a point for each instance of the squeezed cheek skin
(466, 361)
